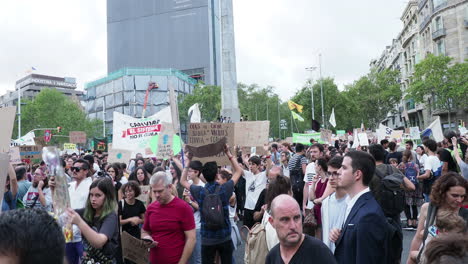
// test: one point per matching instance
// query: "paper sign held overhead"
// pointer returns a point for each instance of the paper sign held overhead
(77, 137)
(119, 155)
(251, 133)
(4, 160)
(363, 140)
(15, 157)
(414, 133)
(7, 119)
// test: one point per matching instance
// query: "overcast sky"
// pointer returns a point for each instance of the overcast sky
(275, 39)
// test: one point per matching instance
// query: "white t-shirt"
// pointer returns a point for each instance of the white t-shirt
(285, 170)
(333, 213)
(308, 177)
(432, 163)
(422, 160)
(254, 185)
(78, 197)
(30, 197)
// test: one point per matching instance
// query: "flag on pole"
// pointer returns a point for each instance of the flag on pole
(194, 114)
(332, 118)
(362, 127)
(297, 116)
(292, 105)
(434, 129)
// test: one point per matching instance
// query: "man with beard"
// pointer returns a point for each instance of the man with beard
(294, 246)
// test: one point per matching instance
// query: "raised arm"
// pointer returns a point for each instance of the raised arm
(183, 179)
(13, 181)
(237, 170)
(455, 151)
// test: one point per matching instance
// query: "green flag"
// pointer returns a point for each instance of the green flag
(297, 116)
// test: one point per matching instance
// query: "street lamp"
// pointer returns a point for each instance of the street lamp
(311, 69)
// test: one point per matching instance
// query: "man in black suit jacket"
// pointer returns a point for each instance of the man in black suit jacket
(362, 238)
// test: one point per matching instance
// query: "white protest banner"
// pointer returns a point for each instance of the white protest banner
(363, 140)
(7, 119)
(414, 133)
(134, 134)
(15, 157)
(462, 130)
(26, 140)
(355, 139)
(134, 249)
(4, 160)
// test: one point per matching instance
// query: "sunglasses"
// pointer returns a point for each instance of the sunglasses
(77, 169)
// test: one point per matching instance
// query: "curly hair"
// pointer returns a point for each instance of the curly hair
(447, 249)
(443, 184)
(281, 185)
(134, 185)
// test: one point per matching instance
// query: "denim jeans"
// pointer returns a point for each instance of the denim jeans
(74, 252)
(196, 254)
(224, 249)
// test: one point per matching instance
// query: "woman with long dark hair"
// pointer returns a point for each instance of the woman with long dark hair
(98, 223)
(140, 175)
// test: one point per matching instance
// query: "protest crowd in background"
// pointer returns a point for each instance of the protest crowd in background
(336, 202)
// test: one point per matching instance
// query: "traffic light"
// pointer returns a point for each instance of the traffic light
(59, 129)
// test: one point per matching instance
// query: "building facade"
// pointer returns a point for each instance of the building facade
(184, 35)
(33, 84)
(124, 91)
(438, 27)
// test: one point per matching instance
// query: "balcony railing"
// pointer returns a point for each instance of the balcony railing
(438, 33)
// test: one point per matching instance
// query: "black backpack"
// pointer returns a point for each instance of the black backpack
(388, 192)
(212, 210)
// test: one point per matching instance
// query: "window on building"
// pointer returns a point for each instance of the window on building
(440, 47)
(438, 24)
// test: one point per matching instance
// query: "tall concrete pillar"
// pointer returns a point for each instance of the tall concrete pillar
(229, 99)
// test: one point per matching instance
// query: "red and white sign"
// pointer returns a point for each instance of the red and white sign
(135, 134)
(47, 135)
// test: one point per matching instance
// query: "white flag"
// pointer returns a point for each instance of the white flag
(434, 129)
(332, 118)
(194, 114)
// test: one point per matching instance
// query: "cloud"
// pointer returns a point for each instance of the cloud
(275, 40)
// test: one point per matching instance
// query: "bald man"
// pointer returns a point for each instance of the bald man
(294, 246)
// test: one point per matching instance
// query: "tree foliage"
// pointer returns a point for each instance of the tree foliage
(434, 78)
(209, 99)
(51, 109)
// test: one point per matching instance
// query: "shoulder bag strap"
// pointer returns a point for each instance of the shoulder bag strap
(430, 217)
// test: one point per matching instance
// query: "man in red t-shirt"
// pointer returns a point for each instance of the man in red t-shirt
(169, 224)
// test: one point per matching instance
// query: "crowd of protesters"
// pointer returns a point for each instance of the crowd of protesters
(323, 202)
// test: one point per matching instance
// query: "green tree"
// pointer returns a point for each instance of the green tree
(51, 109)
(434, 78)
(371, 97)
(209, 99)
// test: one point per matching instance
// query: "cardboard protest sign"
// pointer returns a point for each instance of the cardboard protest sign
(397, 134)
(119, 155)
(135, 134)
(258, 150)
(4, 160)
(305, 138)
(175, 143)
(201, 134)
(134, 249)
(15, 157)
(30, 152)
(251, 133)
(7, 119)
(363, 140)
(414, 133)
(145, 193)
(78, 137)
(208, 150)
(165, 142)
(326, 136)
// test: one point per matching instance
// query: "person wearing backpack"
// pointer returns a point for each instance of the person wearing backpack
(213, 200)
(413, 199)
(432, 166)
(388, 186)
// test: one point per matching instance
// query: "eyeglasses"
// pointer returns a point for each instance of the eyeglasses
(77, 169)
(334, 174)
